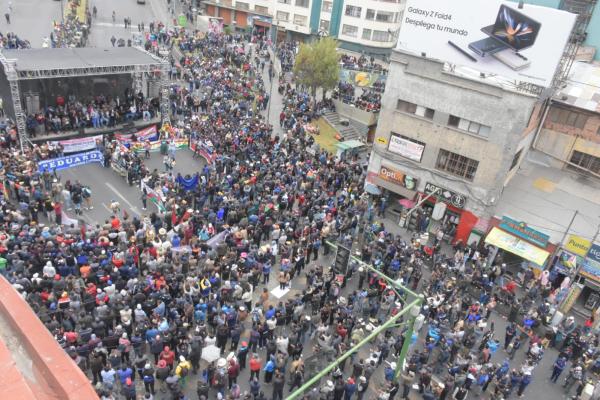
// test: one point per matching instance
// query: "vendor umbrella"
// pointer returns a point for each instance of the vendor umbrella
(211, 353)
(372, 189)
(406, 203)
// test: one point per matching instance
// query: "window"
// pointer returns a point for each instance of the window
(283, 16)
(425, 112)
(515, 160)
(385, 16)
(370, 14)
(261, 9)
(366, 34)
(585, 161)
(453, 120)
(381, 36)
(469, 126)
(406, 107)
(456, 164)
(242, 6)
(567, 117)
(412, 108)
(300, 20)
(285, 1)
(302, 3)
(349, 30)
(326, 7)
(324, 25)
(353, 11)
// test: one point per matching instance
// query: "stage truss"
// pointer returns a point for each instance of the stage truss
(157, 71)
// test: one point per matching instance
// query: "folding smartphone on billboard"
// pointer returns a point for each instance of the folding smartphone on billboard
(511, 33)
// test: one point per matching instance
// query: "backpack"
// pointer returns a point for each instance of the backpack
(184, 371)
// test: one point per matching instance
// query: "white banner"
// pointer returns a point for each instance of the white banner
(78, 144)
(406, 147)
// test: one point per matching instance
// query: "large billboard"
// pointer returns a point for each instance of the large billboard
(492, 36)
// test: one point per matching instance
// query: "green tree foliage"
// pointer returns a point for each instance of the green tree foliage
(317, 65)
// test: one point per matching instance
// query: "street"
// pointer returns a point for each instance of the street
(106, 185)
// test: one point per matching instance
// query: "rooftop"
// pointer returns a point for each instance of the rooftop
(34, 367)
(77, 58)
(546, 199)
(583, 87)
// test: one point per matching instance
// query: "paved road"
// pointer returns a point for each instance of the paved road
(107, 185)
(103, 27)
(30, 19)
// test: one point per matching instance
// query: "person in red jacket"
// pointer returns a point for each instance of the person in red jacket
(169, 356)
(232, 372)
(255, 366)
(58, 213)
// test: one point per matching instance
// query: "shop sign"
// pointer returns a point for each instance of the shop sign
(571, 298)
(594, 253)
(520, 229)
(578, 245)
(406, 147)
(397, 177)
(590, 269)
(517, 246)
(456, 199)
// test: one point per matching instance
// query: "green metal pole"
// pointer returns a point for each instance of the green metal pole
(378, 272)
(405, 346)
(415, 303)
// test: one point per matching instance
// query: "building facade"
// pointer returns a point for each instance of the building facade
(369, 26)
(455, 143)
(570, 131)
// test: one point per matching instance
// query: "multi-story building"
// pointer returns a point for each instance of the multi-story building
(570, 133)
(460, 135)
(368, 27)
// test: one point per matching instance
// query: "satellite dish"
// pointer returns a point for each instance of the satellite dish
(438, 211)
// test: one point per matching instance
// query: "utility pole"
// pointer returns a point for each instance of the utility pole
(569, 227)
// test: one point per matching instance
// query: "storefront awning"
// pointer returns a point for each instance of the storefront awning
(516, 246)
(258, 22)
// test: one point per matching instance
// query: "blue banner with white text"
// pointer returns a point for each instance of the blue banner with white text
(70, 161)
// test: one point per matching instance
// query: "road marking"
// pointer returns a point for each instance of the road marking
(111, 25)
(107, 209)
(131, 206)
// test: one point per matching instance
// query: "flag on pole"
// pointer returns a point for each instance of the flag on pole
(155, 197)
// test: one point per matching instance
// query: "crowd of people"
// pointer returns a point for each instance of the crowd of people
(183, 299)
(70, 32)
(11, 41)
(101, 111)
(362, 63)
(369, 100)
(286, 53)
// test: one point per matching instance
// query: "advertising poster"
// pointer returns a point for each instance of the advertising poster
(362, 78)
(406, 147)
(492, 36)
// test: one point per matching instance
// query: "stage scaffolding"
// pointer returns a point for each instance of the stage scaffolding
(23, 65)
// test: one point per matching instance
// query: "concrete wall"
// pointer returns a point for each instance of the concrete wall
(561, 140)
(350, 112)
(415, 79)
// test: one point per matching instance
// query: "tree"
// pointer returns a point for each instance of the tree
(317, 65)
